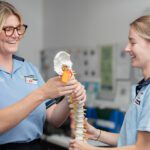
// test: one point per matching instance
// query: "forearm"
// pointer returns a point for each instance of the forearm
(132, 147)
(142, 143)
(109, 138)
(106, 137)
(12, 115)
(59, 114)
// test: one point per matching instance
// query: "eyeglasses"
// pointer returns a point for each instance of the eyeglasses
(9, 30)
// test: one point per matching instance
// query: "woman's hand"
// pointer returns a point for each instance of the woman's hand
(79, 93)
(55, 88)
(91, 132)
(79, 145)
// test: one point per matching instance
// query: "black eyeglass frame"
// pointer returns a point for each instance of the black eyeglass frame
(15, 28)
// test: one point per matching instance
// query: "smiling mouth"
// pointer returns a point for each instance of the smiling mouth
(133, 57)
(11, 42)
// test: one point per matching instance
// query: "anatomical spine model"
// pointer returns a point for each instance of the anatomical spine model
(63, 67)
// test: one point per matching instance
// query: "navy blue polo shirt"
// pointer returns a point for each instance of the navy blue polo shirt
(14, 86)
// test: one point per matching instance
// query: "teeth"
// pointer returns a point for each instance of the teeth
(132, 55)
(12, 42)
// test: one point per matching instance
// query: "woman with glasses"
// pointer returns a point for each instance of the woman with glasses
(135, 131)
(23, 93)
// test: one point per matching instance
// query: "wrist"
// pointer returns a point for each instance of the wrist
(43, 92)
(39, 94)
(97, 135)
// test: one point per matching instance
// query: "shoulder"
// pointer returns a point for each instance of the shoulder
(146, 95)
(147, 90)
(27, 65)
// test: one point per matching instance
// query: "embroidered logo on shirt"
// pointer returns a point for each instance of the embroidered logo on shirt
(137, 101)
(138, 98)
(31, 79)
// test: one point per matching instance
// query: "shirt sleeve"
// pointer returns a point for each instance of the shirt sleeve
(144, 117)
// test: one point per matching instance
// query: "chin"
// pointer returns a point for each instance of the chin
(136, 65)
(12, 51)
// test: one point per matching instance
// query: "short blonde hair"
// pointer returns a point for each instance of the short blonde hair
(7, 9)
(142, 26)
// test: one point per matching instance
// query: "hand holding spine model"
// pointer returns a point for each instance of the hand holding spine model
(63, 67)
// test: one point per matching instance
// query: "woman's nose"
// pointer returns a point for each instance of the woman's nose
(15, 34)
(127, 48)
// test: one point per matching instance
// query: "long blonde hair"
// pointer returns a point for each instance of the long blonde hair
(142, 26)
(7, 9)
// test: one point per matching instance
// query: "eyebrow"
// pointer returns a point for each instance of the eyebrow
(131, 39)
(12, 26)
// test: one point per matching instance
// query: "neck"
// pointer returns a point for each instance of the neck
(6, 62)
(146, 73)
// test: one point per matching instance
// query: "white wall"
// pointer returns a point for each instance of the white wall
(75, 23)
(88, 23)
